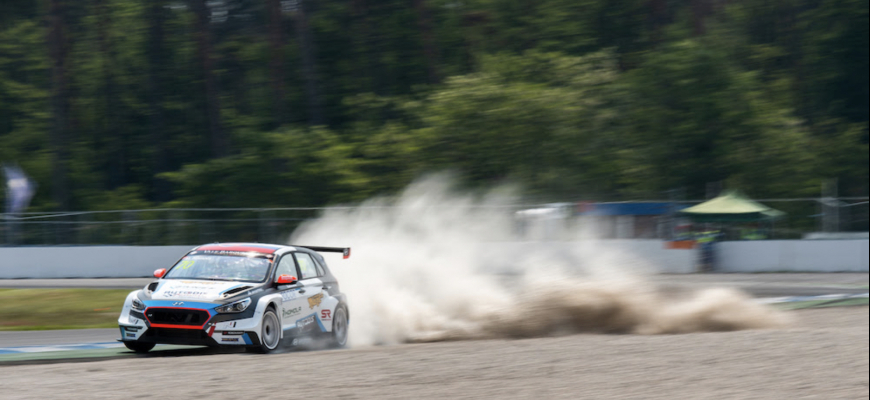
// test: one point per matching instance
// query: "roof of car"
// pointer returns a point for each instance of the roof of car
(243, 247)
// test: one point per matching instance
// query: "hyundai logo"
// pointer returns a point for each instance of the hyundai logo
(178, 303)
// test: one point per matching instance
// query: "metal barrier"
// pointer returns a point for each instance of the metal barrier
(156, 227)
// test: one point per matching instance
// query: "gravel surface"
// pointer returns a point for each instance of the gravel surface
(823, 356)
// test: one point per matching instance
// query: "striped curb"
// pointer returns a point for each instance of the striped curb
(828, 300)
(795, 299)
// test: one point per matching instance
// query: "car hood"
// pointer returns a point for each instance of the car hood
(197, 290)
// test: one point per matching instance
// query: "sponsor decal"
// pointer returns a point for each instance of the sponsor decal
(315, 300)
(134, 320)
(288, 295)
(131, 335)
(178, 303)
(289, 312)
(227, 253)
(185, 293)
(255, 291)
(234, 333)
(225, 325)
(194, 284)
(229, 339)
(305, 321)
(326, 315)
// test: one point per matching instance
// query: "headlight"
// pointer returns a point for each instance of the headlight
(238, 306)
(137, 305)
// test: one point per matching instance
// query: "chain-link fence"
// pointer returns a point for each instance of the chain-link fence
(823, 215)
(153, 227)
(274, 225)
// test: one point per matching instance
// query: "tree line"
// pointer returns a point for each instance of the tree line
(122, 104)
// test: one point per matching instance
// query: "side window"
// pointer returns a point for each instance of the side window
(286, 267)
(306, 266)
(319, 267)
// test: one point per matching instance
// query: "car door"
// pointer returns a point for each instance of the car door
(294, 299)
(312, 289)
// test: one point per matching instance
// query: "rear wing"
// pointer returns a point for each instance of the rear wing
(345, 251)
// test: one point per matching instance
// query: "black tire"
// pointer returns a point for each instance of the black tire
(139, 347)
(338, 336)
(270, 332)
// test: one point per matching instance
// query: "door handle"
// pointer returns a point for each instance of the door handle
(301, 291)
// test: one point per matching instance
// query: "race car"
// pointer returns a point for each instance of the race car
(238, 294)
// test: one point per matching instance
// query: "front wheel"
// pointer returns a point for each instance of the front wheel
(270, 332)
(139, 347)
(338, 338)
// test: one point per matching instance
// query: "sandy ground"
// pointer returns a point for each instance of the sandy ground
(823, 356)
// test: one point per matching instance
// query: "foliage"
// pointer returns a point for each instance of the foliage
(574, 100)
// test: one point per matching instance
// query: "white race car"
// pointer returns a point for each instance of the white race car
(238, 294)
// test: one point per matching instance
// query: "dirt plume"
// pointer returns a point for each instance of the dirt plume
(436, 264)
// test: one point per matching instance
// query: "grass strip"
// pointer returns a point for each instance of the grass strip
(116, 352)
(49, 309)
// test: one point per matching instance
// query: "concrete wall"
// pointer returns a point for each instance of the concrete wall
(648, 254)
(141, 261)
(793, 255)
(630, 254)
(87, 261)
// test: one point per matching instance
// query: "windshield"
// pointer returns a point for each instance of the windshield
(221, 267)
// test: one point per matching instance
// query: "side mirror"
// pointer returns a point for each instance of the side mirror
(286, 280)
(159, 272)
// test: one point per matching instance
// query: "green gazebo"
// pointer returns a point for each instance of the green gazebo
(731, 206)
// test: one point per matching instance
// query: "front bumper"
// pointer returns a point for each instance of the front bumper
(195, 324)
(191, 337)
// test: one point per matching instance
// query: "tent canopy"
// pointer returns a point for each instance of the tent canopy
(731, 206)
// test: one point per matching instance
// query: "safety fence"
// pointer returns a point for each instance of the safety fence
(154, 227)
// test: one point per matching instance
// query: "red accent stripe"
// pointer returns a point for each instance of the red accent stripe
(211, 331)
(175, 326)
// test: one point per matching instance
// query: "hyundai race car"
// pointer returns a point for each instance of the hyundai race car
(238, 294)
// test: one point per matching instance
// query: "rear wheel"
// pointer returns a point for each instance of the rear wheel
(139, 347)
(338, 337)
(270, 332)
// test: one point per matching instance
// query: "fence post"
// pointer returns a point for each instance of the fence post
(10, 225)
(128, 228)
(82, 229)
(206, 228)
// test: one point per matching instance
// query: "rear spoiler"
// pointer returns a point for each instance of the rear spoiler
(345, 251)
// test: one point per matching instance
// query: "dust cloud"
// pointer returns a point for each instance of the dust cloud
(434, 263)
